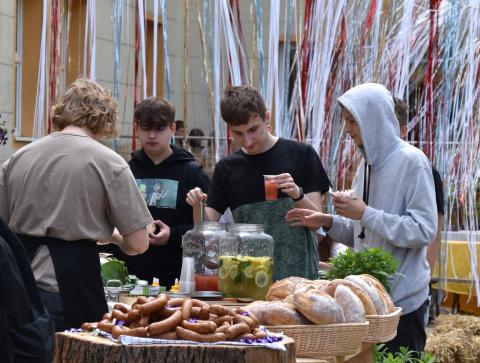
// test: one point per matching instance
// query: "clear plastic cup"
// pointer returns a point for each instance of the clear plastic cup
(187, 281)
(271, 187)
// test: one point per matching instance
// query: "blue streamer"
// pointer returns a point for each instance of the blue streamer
(117, 40)
(204, 11)
(165, 46)
(117, 37)
(258, 19)
(286, 84)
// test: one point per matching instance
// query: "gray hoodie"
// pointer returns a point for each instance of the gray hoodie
(401, 216)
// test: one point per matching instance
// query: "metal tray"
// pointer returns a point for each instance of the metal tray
(208, 294)
(197, 294)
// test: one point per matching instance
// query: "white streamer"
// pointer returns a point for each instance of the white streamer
(141, 14)
(402, 46)
(155, 33)
(93, 37)
(234, 64)
(272, 78)
(216, 77)
(39, 119)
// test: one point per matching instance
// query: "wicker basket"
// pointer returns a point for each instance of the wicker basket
(382, 328)
(320, 341)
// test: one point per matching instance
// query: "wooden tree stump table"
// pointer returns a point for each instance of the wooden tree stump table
(82, 347)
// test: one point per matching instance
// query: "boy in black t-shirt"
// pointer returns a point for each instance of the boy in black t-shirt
(238, 182)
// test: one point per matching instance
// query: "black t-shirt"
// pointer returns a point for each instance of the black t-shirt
(438, 191)
(238, 178)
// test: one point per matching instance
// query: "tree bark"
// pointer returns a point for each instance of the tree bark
(71, 348)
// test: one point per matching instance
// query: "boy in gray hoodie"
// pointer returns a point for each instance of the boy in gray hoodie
(394, 207)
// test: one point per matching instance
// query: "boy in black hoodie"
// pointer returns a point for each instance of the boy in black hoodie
(164, 174)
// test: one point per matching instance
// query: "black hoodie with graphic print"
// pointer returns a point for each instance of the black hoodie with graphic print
(164, 187)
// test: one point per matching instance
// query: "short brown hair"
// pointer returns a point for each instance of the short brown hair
(154, 113)
(86, 103)
(401, 111)
(239, 103)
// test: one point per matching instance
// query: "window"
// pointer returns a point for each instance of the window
(28, 43)
(29, 31)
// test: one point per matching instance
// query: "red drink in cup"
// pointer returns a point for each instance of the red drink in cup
(271, 188)
(206, 282)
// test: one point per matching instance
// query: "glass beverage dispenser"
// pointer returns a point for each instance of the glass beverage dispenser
(200, 257)
(245, 262)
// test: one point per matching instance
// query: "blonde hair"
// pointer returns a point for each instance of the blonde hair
(86, 104)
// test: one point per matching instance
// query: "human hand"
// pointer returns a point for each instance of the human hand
(287, 185)
(162, 237)
(348, 207)
(299, 217)
(151, 228)
(195, 196)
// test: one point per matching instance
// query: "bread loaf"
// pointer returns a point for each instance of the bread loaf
(307, 285)
(357, 290)
(289, 299)
(318, 306)
(257, 308)
(353, 309)
(282, 288)
(321, 284)
(372, 281)
(276, 313)
(374, 294)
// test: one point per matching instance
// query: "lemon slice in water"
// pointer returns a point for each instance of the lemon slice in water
(248, 272)
(261, 279)
(233, 271)
(223, 273)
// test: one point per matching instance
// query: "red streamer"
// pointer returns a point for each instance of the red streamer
(368, 21)
(53, 61)
(242, 41)
(432, 63)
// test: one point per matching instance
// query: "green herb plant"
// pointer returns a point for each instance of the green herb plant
(373, 261)
(382, 355)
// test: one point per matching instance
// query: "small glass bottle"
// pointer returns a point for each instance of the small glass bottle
(200, 257)
(245, 262)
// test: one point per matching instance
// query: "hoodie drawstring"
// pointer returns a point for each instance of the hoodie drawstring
(366, 192)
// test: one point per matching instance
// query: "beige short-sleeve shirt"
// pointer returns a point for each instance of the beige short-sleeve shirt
(71, 187)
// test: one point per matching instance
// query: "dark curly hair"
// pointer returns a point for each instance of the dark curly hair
(239, 103)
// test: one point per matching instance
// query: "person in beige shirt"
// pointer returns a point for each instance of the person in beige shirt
(64, 192)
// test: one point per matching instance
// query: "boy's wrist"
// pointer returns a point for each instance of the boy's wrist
(300, 196)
